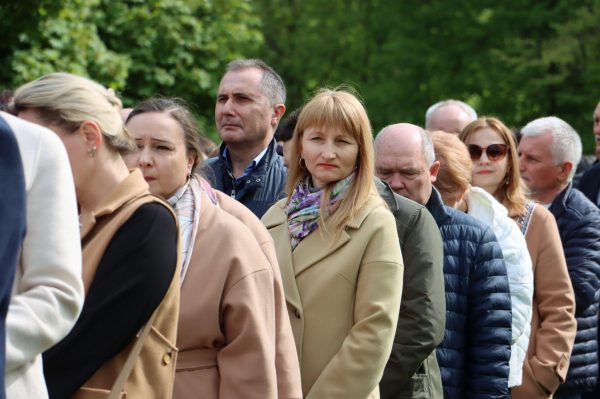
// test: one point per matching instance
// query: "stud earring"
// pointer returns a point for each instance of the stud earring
(93, 152)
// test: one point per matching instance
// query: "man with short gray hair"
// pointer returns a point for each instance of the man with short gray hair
(450, 116)
(250, 103)
(549, 152)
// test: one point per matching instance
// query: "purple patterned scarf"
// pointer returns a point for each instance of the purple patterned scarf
(303, 209)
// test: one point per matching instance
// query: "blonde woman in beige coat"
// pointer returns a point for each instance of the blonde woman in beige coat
(129, 249)
(338, 251)
(229, 337)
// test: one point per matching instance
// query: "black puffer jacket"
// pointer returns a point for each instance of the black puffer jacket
(578, 222)
(260, 190)
(474, 355)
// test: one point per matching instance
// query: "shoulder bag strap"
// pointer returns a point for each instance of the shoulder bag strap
(133, 355)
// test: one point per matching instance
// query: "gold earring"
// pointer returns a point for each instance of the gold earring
(93, 152)
(300, 163)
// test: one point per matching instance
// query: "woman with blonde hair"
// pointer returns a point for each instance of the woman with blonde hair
(493, 150)
(337, 246)
(124, 340)
(455, 172)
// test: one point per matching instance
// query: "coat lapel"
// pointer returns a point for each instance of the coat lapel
(314, 248)
(284, 247)
(281, 238)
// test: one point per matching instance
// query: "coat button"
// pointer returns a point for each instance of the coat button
(248, 181)
(297, 313)
(167, 357)
(257, 180)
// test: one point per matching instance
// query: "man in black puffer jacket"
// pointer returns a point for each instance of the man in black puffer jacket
(548, 153)
(250, 103)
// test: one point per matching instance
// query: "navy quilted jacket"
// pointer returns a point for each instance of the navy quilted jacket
(578, 222)
(260, 190)
(474, 355)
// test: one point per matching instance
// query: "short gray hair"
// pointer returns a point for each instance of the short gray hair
(465, 107)
(426, 145)
(271, 85)
(566, 143)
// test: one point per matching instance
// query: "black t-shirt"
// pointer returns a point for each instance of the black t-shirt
(132, 279)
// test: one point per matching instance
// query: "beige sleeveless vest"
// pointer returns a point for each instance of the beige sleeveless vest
(154, 372)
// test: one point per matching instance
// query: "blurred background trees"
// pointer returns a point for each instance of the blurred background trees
(518, 60)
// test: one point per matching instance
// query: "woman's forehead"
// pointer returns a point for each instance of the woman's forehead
(155, 125)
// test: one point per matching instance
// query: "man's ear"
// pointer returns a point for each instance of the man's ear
(92, 135)
(278, 112)
(565, 170)
(433, 170)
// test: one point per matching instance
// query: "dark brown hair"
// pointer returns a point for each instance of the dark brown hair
(177, 109)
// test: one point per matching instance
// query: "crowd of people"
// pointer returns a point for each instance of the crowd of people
(299, 259)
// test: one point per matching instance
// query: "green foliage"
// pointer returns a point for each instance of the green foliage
(516, 59)
(140, 48)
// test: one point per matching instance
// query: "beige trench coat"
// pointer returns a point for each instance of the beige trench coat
(226, 331)
(343, 300)
(286, 360)
(553, 324)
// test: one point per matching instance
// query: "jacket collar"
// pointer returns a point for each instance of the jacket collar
(311, 249)
(483, 206)
(436, 207)
(560, 202)
(133, 186)
(261, 169)
(387, 194)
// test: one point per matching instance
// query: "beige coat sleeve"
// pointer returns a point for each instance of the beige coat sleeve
(556, 307)
(355, 371)
(247, 362)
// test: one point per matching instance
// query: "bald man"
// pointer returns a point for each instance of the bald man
(412, 369)
(450, 116)
(474, 354)
(402, 163)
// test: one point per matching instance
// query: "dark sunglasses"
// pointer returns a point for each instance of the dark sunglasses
(495, 152)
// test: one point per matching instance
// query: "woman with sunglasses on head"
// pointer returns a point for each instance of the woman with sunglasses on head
(338, 249)
(129, 241)
(553, 325)
(483, 206)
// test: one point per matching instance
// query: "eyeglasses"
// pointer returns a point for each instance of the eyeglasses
(495, 152)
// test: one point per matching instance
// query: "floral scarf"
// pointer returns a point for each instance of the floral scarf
(188, 213)
(303, 209)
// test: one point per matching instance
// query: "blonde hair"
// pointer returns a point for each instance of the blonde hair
(340, 108)
(66, 100)
(515, 191)
(456, 167)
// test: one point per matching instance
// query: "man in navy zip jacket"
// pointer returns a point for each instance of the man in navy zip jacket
(475, 352)
(548, 154)
(250, 103)
(12, 226)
